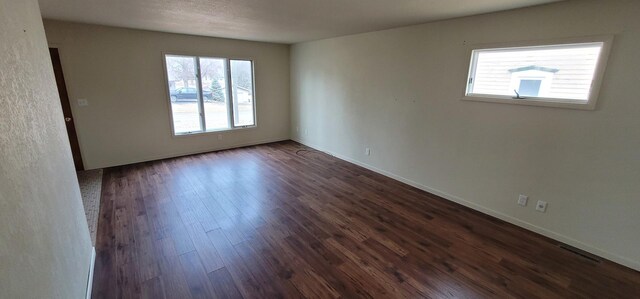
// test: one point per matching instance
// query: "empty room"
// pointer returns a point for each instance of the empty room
(319, 149)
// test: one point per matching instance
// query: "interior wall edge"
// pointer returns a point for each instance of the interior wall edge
(45, 245)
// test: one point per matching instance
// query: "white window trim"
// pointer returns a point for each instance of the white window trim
(227, 59)
(590, 104)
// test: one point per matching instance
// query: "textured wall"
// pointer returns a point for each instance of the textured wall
(44, 240)
(120, 72)
(398, 92)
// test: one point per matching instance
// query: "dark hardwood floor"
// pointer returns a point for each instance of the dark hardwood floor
(284, 221)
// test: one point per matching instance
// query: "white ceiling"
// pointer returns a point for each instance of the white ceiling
(283, 21)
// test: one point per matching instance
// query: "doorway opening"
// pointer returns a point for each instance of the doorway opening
(90, 181)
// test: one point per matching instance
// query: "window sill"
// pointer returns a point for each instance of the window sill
(540, 102)
(189, 134)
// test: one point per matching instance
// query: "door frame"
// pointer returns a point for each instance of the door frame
(65, 102)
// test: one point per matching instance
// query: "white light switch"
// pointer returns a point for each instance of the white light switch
(83, 102)
(522, 200)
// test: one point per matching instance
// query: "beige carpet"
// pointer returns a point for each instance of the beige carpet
(91, 188)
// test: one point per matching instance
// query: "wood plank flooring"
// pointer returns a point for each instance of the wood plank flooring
(284, 221)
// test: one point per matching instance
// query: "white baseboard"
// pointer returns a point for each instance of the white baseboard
(90, 277)
(542, 231)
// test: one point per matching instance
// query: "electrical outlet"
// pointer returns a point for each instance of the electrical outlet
(297, 129)
(522, 200)
(219, 136)
(306, 132)
(83, 102)
(367, 151)
(541, 206)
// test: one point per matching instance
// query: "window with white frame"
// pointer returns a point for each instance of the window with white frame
(562, 74)
(209, 94)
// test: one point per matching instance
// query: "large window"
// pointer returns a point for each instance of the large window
(210, 94)
(547, 74)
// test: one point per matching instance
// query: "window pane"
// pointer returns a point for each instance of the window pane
(242, 91)
(214, 90)
(183, 91)
(561, 71)
(529, 88)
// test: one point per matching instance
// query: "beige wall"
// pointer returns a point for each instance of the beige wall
(398, 92)
(120, 72)
(45, 248)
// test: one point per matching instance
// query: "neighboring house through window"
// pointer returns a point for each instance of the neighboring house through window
(532, 81)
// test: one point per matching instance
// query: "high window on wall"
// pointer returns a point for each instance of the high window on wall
(565, 73)
(210, 94)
